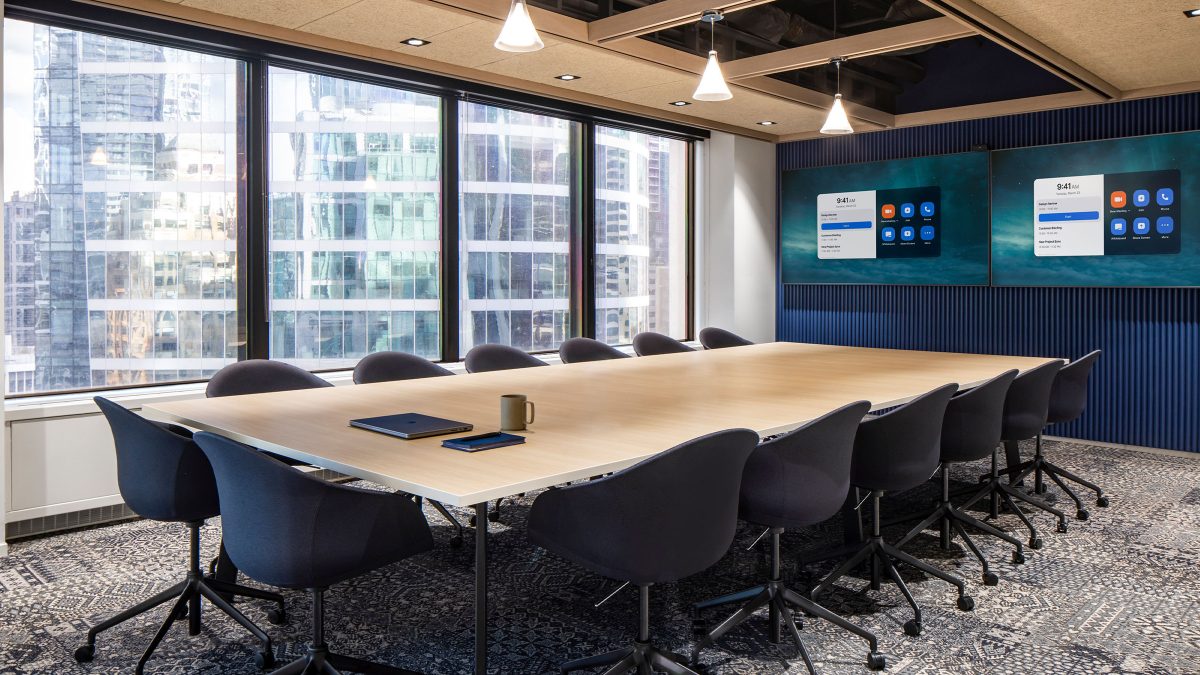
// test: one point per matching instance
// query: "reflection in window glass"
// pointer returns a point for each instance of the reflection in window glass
(515, 200)
(354, 220)
(121, 218)
(641, 235)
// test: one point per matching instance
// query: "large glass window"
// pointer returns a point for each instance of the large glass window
(641, 235)
(354, 217)
(517, 179)
(122, 215)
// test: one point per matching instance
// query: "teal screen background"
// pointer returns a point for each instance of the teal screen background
(1013, 173)
(963, 179)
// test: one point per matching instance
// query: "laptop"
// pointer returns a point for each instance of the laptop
(410, 425)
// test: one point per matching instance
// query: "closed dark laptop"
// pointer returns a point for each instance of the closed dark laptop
(410, 425)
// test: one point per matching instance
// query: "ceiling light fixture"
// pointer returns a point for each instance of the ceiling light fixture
(99, 157)
(836, 122)
(415, 42)
(1191, 13)
(767, 123)
(712, 85)
(518, 34)
(567, 77)
(679, 104)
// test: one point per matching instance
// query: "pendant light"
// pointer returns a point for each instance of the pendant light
(518, 33)
(712, 85)
(836, 122)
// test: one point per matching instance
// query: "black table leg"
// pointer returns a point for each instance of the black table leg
(481, 599)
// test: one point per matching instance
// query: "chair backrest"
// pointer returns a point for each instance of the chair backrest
(1027, 405)
(580, 349)
(901, 449)
(161, 472)
(662, 519)
(1068, 396)
(392, 366)
(974, 419)
(286, 528)
(719, 338)
(803, 476)
(650, 344)
(260, 376)
(486, 358)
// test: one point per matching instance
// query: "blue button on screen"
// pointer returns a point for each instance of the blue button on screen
(1165, 196)
(908, 233)
(927, 209)
(907, 210)
(1141, 225)
(926, 233)
(888, 233)
(1141, 198)
(1118, 227)
(1165, 225)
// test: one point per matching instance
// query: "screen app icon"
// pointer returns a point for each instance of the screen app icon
(1118, 227)
(907, 210)
(926, 233)
(1117, 199)
(1164, 225)
(1165, 196)
(888, 211)
(1141, 198)
(1141, 225)
(927, 209)
(888, 234)
(907, 233)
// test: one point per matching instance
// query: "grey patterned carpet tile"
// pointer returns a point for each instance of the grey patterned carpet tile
(1116, 594)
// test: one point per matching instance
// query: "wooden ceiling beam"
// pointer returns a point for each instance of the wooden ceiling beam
(659, 16)
(892, 39)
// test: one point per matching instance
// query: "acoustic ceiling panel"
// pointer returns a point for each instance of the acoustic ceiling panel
(384, 23)
(286, 13)
(601, 71)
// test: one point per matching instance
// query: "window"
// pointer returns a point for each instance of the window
(517, 180)
(122, 218)
(641, 210)
(354, 216)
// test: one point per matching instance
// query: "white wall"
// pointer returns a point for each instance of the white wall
(735, 232)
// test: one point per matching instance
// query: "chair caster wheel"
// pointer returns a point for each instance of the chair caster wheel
(277, 616)
(876, 661)
(456, 541)
(494, 516)
(1018, 558)
(1035, 543)
(966, 603)
(912, 628)
(1061, 528)
(1082, 514)
(264, 659)
(1102, 502)
(85, 654)
(990, 579)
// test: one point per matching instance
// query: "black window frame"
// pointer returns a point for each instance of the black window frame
(259, 54)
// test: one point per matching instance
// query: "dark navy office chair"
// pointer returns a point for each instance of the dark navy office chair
(719, 338)
(164, 476)
(1026, 408)
(894, 452)
(285, 528)
(650, 344)
(795, 480)
(486, 358)
(260, 376)
(392, 366)
(970, 432)
(663, 519)
(579, 349)
(1068, 399)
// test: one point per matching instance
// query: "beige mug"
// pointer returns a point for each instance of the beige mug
(512, 412)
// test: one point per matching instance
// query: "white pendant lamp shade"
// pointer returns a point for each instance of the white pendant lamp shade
(712, 85)
(837, 123)
(518, 33)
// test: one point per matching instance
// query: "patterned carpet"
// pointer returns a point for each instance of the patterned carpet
(1118, 593)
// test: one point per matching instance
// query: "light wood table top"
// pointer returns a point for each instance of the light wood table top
(592, 418)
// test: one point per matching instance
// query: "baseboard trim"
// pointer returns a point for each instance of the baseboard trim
(3, 548)
(1122, 446)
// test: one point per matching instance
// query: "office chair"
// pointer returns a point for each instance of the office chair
(719, 338)
(393, 366)
(1026, 408)
(1068, 398)
(486, 358)
(164, 476)
(322, 533)
(660, 520)
(970, 432)
(580, 349)
(260, 376)
(651, 344)
(894, 452)
(795, 480)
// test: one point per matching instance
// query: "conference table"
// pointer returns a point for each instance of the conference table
(591, 418)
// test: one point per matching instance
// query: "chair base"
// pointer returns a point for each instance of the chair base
(1041, 468)
(187, 595)
(999, 491)
(642, 657)
(318, 661)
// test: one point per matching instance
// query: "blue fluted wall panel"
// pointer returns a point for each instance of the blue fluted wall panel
(1146, 389)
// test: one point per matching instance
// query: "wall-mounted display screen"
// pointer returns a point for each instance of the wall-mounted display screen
(911, 221)
(1103, 213)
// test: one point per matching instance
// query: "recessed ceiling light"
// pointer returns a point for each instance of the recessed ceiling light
(416, 42)
(1192, 13)
(567, 77)
(767, 123)
(679, 103)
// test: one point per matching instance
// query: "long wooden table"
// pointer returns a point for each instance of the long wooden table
(592, 418)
